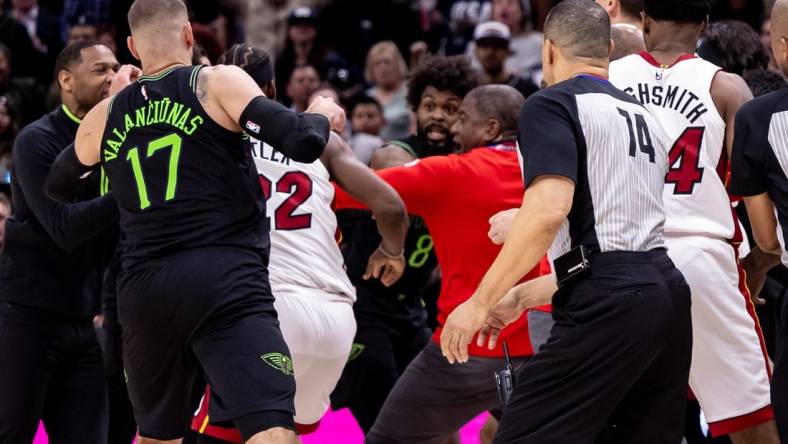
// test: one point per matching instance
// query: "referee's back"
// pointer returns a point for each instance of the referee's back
(618, 162)
(616, 365)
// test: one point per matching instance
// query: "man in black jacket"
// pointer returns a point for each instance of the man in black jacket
(50, 271)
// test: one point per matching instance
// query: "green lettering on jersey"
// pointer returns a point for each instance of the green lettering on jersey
(165, 105)
(140, 115)
(172, 117)
(129, 123)
(121, 136)
(111, 152)
(182, 120)
(154, 112)
(151, 113)
(195, 122)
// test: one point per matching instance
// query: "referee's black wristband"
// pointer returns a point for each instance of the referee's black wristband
(63, 180)
(299, 136)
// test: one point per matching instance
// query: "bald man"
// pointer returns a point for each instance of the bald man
(615, 367)
(194, 295)
(627, 39)
(623, 11)
(627, 28)
(759, 173)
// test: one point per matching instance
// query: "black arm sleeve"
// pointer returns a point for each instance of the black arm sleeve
(299, 136)
(64, 176)
(69, 225)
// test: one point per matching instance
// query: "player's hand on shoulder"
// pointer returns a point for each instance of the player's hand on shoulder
(500, 224)
(327, 107)
(126, 75)
(385, 266)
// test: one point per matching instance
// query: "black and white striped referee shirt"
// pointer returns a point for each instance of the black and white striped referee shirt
(613, 149)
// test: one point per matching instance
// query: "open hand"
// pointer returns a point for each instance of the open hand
(459, 328)
(386, 267)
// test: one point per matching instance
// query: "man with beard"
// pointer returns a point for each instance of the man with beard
(392, 322)
(48, 268)
(456, 195)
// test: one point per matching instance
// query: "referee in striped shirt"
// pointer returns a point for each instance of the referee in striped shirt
(759, 172)
(616, 366)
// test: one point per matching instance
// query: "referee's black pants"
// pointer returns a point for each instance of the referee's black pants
(51, 369)
(616, 366)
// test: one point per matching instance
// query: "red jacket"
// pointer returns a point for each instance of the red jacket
(456, 195)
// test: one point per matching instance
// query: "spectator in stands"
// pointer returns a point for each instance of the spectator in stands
(82, 30)
(386, 71)
(303, 81)
(44, 29)
(16, 39)
(24, 94)
(492, 48)
(366, 121)
(453, 23)
(303, 47)
(88, 11)
(734, 46)
(526, 44)
(107, 36)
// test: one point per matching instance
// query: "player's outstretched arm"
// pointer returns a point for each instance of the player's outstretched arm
(233, 99)
(388, 262)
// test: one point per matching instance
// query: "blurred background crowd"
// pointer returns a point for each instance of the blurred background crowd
(341, 48)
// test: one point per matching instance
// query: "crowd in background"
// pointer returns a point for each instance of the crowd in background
(343, 48)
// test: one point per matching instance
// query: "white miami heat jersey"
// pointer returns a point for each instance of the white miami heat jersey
(304, 251)
(679, 96)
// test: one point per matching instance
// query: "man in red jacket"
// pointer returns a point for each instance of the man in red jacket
(456, 195)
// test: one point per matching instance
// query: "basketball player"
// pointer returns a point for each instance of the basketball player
(194, 295)
(313, 294)
(695, 103)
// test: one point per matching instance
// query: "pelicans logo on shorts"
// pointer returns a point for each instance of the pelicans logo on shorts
(279, 361)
